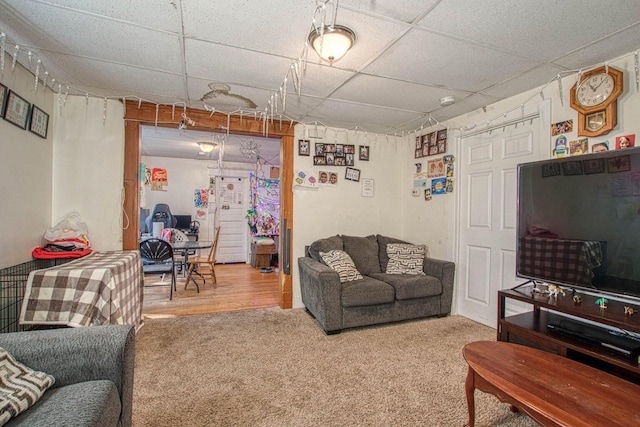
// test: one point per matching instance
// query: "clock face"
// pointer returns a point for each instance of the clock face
(594, 90)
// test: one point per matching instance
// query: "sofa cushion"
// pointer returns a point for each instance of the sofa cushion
(410, 286)
(364, 253)
(91, 403)
(325, 245)
(367, 291)
(342, 263)
(405, 258)
(383, 241)
(20, 386)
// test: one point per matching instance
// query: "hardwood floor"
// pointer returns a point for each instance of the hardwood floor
(239, 287)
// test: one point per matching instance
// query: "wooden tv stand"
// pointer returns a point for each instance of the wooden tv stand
(530, 328)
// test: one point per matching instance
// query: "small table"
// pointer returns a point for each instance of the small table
(101, 288)
(188, 245)
(551, 389)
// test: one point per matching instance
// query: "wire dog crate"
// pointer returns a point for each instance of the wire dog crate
(13, 281)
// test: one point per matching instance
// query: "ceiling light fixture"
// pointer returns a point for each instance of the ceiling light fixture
(206, 147)
(333, 43)
(445, 101)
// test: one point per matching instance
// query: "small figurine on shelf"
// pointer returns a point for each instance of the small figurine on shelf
(555, 290)
(628, 311)
(602, 302)
(577, 299)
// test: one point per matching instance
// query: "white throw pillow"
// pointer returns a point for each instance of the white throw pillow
(405, 258)
(20, 386)
(342, 263)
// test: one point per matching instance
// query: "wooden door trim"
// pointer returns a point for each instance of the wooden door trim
(144, 113)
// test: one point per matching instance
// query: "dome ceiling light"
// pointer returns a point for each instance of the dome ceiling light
(333, 42)
(206, 147)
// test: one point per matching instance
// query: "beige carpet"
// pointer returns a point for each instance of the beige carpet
(273, 367)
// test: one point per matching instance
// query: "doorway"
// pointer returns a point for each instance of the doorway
(158, 115)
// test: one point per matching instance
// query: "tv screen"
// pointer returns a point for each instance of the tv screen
(579, 221)
(184, 222)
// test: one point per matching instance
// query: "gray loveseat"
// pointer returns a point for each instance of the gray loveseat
(93, 371)
(376, 298)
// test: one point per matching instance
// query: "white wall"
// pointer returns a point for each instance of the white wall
(341, 209)
(25, 173)
(88, 165)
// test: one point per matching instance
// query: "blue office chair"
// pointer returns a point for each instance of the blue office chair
(157, 258)
(160, 213)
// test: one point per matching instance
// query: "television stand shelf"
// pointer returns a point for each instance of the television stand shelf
(530, 328)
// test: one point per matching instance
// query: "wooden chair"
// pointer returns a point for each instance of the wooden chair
(209, 261)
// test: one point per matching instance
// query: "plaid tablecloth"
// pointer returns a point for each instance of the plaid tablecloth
(564, 261)
(101, 288)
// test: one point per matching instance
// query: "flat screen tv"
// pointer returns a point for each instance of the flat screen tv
(579, 222)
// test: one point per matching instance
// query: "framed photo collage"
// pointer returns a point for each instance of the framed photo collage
(431, 144)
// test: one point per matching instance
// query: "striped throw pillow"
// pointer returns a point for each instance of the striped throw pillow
(405, 258)
(20, 386)
(342, 263)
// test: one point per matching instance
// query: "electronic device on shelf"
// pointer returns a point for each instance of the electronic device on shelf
(184, 222)
(577, 221)
(618, 342)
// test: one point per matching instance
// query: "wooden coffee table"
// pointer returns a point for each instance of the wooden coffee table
(553, 390)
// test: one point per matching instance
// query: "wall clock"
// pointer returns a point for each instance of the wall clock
(595, 97)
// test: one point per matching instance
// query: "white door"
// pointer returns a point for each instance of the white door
(231, 201)
(487, 211)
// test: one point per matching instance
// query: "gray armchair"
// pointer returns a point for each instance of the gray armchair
(93, 368)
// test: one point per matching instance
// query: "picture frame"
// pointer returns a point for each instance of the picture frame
(4, 91)
(573, 167)
(39, 123)
(319, 160)
(593, 166)
(363, 153)
(618, 164)
(304, 147)
(352, 174)
(17, 110)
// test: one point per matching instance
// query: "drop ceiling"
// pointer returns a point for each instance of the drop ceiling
(234, 54)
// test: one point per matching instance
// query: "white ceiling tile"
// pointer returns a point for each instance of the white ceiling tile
(339, 112)
(162, 15)
(321, 80)
(148, 84)
(397, 94)
(538, 76)
(98, 38)
(537, 30)
(601, 51)
(431, 59)
(278, 29)
(228, 64)
(402, 10)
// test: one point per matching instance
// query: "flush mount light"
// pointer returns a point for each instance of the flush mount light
(206, 147)
(335, 41)
(447, 100)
